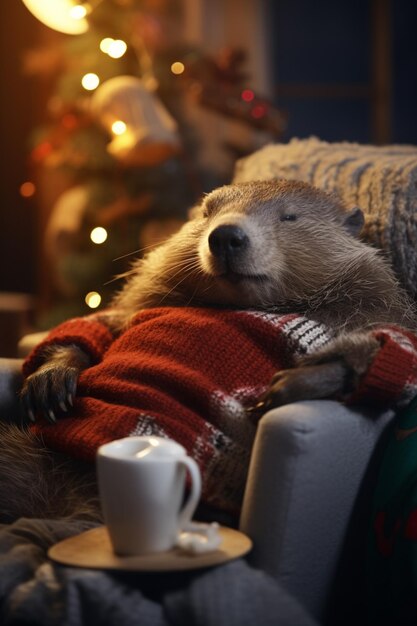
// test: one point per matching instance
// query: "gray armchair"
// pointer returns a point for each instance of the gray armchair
(307, 494)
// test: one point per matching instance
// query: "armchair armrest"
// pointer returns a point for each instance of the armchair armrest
(10, 384)
(28, 342)
(308, 467)
(11, 378)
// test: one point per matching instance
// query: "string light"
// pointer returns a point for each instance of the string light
(118, 127)
(93, 299)
(98, 235)
(177, 67)
(90, 81)
(105, 44)
(27, 189)
(117, 48)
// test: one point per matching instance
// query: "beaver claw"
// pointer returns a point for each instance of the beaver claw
(50, 391)
(331, 372)
(310, 382)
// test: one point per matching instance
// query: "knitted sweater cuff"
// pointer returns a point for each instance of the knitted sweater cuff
(391, 379)
(90, 335)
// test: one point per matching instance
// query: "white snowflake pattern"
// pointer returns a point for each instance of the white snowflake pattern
(229, 412)
(146, 426)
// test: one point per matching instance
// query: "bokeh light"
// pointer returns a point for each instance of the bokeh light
(118, 127)
(248, 95)
(93, 299)
(105, 44)
(117, 48)
(98, 235)
(27, 189)
(90, 81)
(177, 67)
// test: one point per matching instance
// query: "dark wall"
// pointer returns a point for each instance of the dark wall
(323, 67)
(17, 118)
(405, 71)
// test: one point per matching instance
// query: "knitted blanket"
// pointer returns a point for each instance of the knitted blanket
(37, 592)
(380, 180)
(189, 374)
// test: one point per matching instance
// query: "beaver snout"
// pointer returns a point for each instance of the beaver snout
(228, 241)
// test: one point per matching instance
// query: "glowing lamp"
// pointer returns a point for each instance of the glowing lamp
(79, 11)
(64, 16)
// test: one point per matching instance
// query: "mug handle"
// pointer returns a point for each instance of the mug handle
(187, 511)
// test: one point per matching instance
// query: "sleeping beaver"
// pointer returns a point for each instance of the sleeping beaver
(274, 247)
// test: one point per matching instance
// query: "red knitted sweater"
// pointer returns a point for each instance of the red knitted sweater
(189, 373)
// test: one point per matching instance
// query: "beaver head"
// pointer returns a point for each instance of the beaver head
(266, 243)
(271, 245)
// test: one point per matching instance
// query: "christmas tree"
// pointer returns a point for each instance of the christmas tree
(123, 137)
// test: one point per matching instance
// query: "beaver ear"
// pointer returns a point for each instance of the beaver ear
(354, 222)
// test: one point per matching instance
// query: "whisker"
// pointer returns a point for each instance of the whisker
(192, 296)
(190, 265)
(138, 251)
(113, 280)
(176, 285)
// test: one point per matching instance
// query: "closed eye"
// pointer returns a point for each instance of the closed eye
(208, 208)
(289, 217)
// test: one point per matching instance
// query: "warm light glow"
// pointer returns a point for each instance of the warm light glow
(177, 67)
(90, 81)
(27, 189)
(105, 44)
(58, 14)
(93, 299)
(118, 127)
(78, 12)
(117, 48)
(98, 235)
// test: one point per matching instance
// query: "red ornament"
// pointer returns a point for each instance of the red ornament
(259, 111)
(248, 95)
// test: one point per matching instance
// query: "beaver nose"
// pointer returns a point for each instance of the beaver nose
(227, 240)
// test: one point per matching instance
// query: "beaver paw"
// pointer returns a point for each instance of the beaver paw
(310, 382)
(332, 372)
(51, 389)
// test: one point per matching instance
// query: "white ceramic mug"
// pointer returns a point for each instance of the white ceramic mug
(141, 484)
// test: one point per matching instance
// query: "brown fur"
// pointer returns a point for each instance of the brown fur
(312, 265)
(301, 255)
